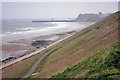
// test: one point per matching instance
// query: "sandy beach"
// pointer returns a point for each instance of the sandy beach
(20, 47)
(35, 52)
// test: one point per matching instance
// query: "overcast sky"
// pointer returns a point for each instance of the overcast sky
(35, 10)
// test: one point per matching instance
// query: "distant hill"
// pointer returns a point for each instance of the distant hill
(91, 17)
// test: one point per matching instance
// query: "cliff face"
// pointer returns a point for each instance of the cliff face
(90, 17)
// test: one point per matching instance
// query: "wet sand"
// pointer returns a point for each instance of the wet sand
(18, 47)
(35, 52)
(21, 46)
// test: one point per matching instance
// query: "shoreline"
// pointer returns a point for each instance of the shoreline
(16, 48)
(33, 53)
(62, 36)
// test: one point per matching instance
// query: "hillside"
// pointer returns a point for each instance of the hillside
(86, 53)
(104, 64)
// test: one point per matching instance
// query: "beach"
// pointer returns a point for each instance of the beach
(36, 51)
(17, 50)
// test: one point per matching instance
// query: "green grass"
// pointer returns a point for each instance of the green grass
(20, 75)
(42, 63)
(76, 44)
(25, 71)
(106, 34)
(97, 27)
(101, 65)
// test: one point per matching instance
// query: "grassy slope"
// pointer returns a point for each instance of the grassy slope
(104, 64)
(21, 68)
(84, 44)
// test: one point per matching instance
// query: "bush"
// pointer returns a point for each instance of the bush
(97, 27)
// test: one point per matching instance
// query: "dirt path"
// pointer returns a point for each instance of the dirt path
(38, 61)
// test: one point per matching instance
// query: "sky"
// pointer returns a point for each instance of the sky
(37, 10)
(60, 0)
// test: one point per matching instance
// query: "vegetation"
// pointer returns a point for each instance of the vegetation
(42, 63)
(22, 73)
(21, 68)
(104, 64)
(76, 44)
(97, 27)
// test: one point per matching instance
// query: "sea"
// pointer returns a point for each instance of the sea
(19, 30)
(25, 30)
